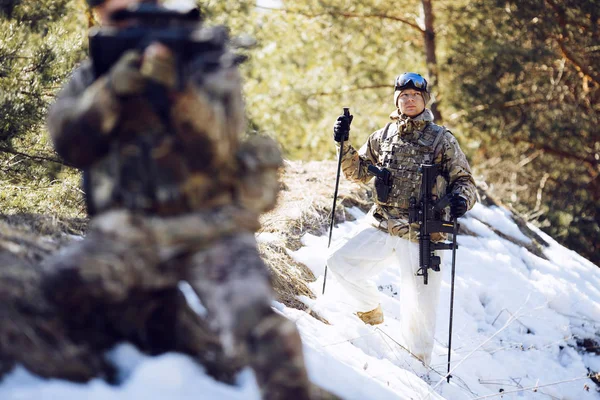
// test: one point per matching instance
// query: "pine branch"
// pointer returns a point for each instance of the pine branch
(559, 16)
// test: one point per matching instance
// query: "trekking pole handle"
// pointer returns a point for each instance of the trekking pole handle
(337, 183)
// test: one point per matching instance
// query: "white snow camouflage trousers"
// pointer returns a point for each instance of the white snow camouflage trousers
(366, 252)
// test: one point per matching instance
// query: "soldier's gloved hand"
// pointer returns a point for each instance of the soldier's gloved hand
(458, 206)
(341, 129)
(159, 65)
(125, 78)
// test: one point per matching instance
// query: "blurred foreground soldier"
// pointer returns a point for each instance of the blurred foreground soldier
(411, 139)
(175, 196)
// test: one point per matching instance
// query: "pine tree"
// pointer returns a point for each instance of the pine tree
(40, 42)
(527, 84)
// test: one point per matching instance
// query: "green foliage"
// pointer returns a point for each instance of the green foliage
(40, 42)
(518, 84)
(530, 95)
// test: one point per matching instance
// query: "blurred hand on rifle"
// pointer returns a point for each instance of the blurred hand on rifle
(125, 78)
(129, 76)
(159, 65)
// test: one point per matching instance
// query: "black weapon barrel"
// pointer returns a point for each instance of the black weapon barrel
(424, 256)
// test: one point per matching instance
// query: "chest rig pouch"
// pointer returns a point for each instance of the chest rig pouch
(402, 157)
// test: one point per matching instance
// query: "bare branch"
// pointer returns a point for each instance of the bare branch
(538, 201)
(579, 66)
(347, 15)
(590, 160)
(35, 157)
(354, 89)
(505, 105)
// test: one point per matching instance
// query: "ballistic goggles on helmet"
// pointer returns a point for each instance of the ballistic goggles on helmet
(410, 80)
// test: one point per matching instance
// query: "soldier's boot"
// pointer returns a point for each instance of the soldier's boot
(275, 351)
(373, 317)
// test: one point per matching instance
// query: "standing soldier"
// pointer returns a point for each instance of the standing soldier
(411, 139)
(175, 195)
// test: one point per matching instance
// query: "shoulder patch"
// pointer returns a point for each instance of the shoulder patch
(386, 131)
(431, 135)
(446, 130)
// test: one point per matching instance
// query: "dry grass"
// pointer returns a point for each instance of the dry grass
(304, 206)
(33, 236)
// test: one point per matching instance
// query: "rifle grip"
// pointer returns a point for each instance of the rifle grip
(373, 170)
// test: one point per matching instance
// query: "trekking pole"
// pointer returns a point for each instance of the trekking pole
(454, 247)
(337, 182)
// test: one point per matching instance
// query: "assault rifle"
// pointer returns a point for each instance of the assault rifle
(194, 47)
(427, 213)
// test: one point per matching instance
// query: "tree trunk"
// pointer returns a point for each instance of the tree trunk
(430, 57)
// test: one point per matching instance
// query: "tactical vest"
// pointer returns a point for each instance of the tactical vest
(402, 157)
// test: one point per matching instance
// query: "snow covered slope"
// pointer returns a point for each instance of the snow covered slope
(520, 324)
(518, 318)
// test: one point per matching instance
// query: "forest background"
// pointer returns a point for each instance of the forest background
(516, 81)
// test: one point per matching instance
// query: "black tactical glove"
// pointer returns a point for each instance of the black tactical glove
(341, 129)
(458, 206)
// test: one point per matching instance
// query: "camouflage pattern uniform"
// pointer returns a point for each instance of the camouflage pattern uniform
(401, 147)
(175, 197)
(388, 239)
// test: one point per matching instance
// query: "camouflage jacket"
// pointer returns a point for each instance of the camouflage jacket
(133, 159)
(401, 147)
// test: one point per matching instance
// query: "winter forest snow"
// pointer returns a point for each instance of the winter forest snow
(526, 317)
(516, 81)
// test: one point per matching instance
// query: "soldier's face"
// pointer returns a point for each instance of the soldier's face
(411, 102)
(109, 6)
